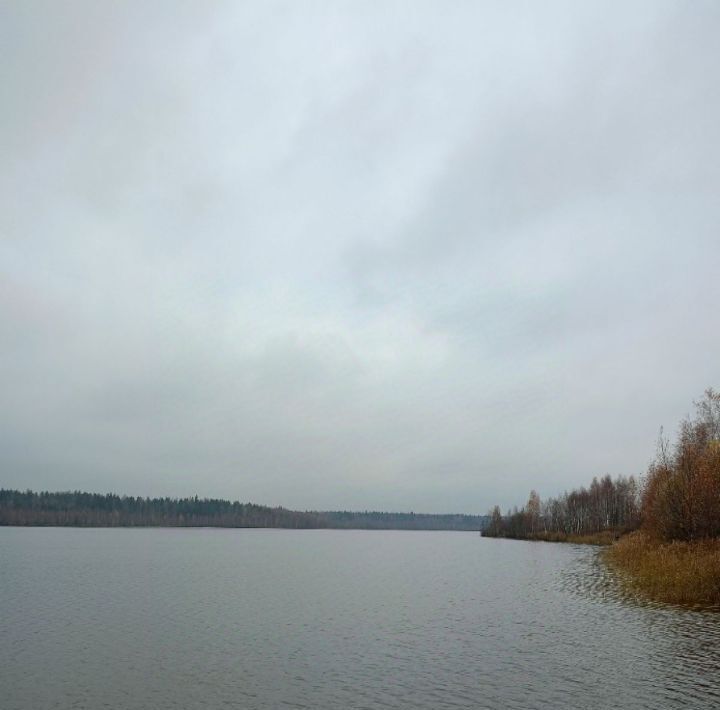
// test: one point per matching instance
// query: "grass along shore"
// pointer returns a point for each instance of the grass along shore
(674, 572)
(677, 572)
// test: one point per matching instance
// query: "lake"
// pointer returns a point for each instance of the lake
(221, 618)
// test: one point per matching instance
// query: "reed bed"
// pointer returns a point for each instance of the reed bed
(675, 572)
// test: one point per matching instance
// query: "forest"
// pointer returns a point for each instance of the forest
(109, 510)
(606, 506)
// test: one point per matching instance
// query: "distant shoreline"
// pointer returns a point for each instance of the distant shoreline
(92, 510)
(224, 527)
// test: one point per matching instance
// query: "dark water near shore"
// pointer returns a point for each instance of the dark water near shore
(181, 619)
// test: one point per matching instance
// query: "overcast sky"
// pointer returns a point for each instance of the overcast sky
(390, 255)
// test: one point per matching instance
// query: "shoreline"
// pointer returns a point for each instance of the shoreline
(684, 573)
(601, 539)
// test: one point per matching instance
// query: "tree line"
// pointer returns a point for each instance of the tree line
(77, 508)
(605, 505)
(677, 499)
(681, 495)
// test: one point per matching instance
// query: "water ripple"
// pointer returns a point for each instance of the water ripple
(258, 619)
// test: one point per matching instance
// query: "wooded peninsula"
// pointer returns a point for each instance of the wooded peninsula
(663, 530)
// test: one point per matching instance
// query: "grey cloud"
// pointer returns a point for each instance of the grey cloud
(353, 256)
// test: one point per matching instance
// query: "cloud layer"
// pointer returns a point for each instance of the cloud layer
(397, 255)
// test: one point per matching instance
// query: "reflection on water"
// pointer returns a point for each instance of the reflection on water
(589, 577)
(334, 619)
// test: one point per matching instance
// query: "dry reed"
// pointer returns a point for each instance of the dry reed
(674, 572)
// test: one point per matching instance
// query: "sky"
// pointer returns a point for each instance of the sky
(354, 255)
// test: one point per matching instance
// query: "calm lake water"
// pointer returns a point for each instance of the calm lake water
(163, 618)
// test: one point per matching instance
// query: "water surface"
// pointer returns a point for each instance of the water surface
(182, 618)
